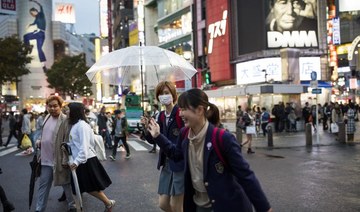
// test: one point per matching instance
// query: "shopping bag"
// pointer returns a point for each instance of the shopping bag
(250, 130)
(25, 142)
(334, 128)
(99, 148)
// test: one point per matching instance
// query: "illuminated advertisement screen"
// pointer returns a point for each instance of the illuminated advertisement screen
(291, 23)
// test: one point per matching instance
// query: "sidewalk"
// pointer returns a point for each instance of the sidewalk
(297, 139)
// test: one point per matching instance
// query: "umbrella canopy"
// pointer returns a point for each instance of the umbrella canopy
(124, 66)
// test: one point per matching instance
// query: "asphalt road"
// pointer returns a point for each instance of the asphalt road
(324, 178)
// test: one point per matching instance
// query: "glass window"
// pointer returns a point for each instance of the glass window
(178, 27)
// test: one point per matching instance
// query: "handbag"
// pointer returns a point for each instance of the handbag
(334, 128)
(250, 129)
(25, 142)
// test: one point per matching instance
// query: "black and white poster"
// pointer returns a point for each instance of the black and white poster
(292, 23)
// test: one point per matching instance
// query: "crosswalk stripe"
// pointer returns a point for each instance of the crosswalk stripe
(137, 146)
(150, 145)
(8, 151)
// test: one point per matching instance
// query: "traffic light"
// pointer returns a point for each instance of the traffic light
(208, 77)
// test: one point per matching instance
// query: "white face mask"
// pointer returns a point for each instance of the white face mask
(166, 99)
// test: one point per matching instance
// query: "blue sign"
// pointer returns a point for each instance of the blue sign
(313, 75)
(316, 91)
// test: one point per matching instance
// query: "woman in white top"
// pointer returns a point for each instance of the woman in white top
(91, 175)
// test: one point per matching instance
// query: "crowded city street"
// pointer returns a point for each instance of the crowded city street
(179, 105)
(294, 177)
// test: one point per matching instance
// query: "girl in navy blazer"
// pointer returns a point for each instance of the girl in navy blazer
(171, 182)
(210, 184)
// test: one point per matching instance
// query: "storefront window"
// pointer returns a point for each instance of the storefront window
(176, 28)
(227, 106)
(166, 7)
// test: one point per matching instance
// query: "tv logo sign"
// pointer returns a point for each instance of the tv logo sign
(292, 39)
(217, 29)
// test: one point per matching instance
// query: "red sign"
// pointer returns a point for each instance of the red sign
(218, 39)
(8, 5)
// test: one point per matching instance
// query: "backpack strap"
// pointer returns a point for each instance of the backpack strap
(217, 143)
(162, 117)
(184, 133)
(178, 119)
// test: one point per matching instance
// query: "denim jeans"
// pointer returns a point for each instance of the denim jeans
(46, 179)
(107, 138)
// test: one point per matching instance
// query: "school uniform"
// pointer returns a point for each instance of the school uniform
(229, 187)
(171, 181)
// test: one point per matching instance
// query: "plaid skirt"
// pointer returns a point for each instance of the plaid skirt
(91, 176)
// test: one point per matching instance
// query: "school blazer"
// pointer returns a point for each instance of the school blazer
(230, 188)
(171, 132)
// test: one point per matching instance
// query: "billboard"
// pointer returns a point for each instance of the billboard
(104, 25)
(133, 34)
(8, 7)
(308, 65)
(261, 70)
(218, 39)
(65, 13)
(291, 24)
(349, 5)
(35, 29)
(8, 88)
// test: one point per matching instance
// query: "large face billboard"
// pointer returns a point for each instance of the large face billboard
(291, 23)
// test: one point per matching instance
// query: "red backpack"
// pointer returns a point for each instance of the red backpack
(177, 118)
(217, 141)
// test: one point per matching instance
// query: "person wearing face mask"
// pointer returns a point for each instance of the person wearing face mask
(217, 178)
(119, 132)
(171, 181)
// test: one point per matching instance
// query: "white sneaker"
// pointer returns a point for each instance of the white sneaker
(112, 157)
(108, 208)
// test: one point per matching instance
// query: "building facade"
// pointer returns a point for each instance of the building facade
(50, 40)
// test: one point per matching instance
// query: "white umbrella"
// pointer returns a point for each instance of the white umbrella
(154, 64)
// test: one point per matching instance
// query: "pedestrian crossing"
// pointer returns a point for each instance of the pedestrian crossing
(135, 144)
(7, 150)
(138, 145)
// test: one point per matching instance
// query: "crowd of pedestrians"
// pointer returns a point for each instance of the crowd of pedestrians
(285, 118)
(187, 130)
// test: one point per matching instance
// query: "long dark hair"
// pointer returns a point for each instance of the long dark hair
(194, 98)
(77, 112)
